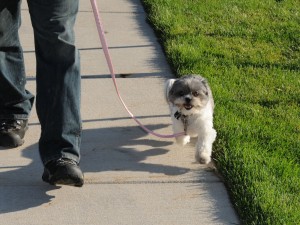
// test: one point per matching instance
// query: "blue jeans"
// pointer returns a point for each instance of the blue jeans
(57, 74)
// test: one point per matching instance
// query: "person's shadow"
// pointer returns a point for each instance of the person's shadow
(104, 149)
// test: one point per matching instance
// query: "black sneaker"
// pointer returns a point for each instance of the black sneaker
(12, 132)
(63, 171)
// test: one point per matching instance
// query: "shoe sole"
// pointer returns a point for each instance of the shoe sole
(6, 142)
(70, 181)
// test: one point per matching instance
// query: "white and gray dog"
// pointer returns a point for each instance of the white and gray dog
(192, 105)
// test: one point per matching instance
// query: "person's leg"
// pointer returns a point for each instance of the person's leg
(15, 101)
(58, 80)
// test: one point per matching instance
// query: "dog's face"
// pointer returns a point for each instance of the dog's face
(190, 93)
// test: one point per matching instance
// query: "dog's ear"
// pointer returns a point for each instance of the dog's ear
(205, 83)
(168, 85)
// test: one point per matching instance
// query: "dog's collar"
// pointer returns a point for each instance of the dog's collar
(179, 115)
(184, 119)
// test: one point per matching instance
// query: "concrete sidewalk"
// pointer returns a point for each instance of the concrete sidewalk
(130, 177)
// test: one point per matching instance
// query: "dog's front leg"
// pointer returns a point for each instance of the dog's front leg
(204, 146)
(178, 128)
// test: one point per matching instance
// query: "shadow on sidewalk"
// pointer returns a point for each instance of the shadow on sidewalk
(21, 186)
(124, 149)
(104, 149)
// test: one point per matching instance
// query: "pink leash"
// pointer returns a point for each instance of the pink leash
(111, 69)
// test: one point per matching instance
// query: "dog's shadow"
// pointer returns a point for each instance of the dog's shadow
(104, 149)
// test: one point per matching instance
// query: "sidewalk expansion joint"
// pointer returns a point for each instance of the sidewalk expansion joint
(153, 182)
(111, 12)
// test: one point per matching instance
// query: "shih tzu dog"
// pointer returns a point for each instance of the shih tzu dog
(192, 105)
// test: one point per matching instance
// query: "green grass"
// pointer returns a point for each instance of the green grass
(250, 53)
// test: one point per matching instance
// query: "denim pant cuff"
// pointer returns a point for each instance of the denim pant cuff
(14, 117)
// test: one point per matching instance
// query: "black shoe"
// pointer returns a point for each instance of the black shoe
(12, 132)
(63, 171)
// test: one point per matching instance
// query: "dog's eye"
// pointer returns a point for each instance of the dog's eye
(181, 93)
(195, 93)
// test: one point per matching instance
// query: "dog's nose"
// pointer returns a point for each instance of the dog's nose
(188, 99)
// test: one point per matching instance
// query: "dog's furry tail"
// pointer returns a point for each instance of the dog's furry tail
(168, 85)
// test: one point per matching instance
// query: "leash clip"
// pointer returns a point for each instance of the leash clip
(184, 120)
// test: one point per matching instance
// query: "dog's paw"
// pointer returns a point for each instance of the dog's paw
(183, 140)
(203, 158)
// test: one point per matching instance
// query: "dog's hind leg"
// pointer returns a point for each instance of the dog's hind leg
(183, 140)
